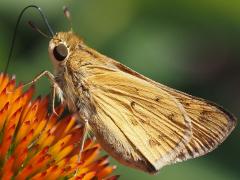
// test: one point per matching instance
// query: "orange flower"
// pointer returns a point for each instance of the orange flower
(36, 145)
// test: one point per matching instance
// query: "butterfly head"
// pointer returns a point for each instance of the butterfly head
(62, 46)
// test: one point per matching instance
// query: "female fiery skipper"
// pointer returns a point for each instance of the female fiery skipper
(141, 123)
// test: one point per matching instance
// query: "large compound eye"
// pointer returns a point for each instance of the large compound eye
(60, 52)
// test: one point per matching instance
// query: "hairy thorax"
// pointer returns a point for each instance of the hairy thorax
(75, 93)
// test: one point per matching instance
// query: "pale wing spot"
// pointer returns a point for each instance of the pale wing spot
(153, 142)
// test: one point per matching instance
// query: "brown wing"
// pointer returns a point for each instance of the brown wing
(211, 124)
(144, 120)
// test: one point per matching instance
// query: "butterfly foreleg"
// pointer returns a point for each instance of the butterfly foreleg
(55, 88)
(49, 75)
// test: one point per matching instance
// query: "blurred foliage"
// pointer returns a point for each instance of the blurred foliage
(192, 46)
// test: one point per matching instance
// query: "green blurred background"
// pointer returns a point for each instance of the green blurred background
(193, 46)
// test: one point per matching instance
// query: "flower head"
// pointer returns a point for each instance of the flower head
(36, 145)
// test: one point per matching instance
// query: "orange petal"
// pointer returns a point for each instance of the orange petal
(62, 125)
(4, 98)
(56, 148)
(64, 152)
(39, 128)
(23, 144)
(19, 160)
(3, 115)
(105, 171)
(35, 165)
(89, 175)
(88, 156)
(4, 79)
(25, 126)
(7, 139)
(45, 140)
(42, 110)
(7, 169)
(53, 172)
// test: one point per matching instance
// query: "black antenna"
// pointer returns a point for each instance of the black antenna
(16, 28)
(35, 28)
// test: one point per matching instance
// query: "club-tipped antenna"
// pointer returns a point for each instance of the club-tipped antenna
(16, 28)
(67, 14)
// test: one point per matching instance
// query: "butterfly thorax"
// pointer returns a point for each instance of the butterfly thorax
(75, 93)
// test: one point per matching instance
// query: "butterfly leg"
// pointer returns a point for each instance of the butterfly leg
(55, 87)
(82, 142)
(49, 75)
(83, 139)
(53, 100)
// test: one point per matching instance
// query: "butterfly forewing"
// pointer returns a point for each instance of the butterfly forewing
(211, 124)
(152, 120)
